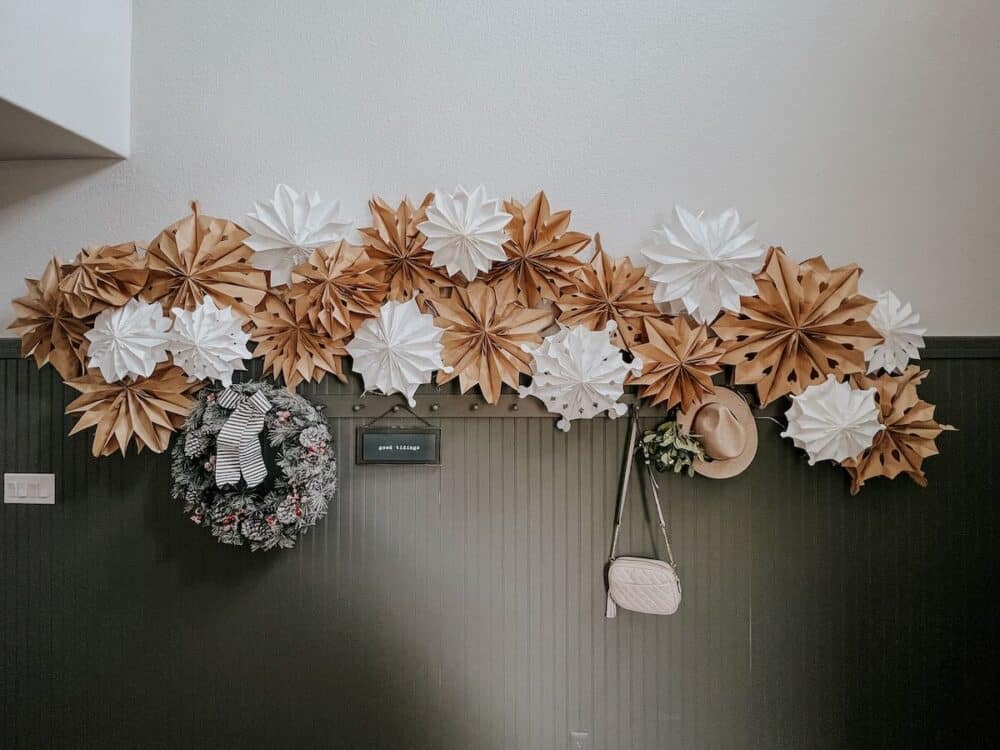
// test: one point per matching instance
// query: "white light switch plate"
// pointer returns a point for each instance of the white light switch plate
(29, 488)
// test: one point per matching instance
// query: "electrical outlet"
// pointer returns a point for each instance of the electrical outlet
(579, 740)
(29, 489)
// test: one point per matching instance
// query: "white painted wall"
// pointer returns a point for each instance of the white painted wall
(868, 130)
(68, 62)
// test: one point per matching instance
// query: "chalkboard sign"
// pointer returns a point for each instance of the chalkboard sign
(399, 445)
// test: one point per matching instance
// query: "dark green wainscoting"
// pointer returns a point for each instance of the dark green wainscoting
(462, 606)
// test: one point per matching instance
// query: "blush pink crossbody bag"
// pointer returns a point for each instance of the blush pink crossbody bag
(641, 584)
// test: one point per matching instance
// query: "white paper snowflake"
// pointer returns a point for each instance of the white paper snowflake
(129, 340)
(285, 231)
(465, 231)
(833, 421)
(579, 373)
(208, 343)
(398, 350)
(898, 325)
(707, 262)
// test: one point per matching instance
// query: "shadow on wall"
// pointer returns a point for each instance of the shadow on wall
(22, 180)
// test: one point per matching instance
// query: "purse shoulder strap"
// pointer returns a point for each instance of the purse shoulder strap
(630, 457)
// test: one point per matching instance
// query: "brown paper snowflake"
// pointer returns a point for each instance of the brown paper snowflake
(542, 256)
(606, 290)
(337, 288)
(292, 347)
(199, 256)
(146, 410)
(50, 332)
(909, 434)
(395, 244)
(807, 321)
(485, 327)
(678, 362)
(102, 277)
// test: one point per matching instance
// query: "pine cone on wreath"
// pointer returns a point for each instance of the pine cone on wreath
(289, 511)
(196, 443)
(256, 529)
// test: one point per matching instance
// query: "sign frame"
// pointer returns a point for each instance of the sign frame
(395, 432)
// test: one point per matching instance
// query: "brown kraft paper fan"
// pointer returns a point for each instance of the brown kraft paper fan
(909, 435)
(678, 363)
(103, 277)
(807, 321)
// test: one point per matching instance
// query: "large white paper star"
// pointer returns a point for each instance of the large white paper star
(208, 342)
(833, 421)
(898, 325)
(465, 231)
(129, 340)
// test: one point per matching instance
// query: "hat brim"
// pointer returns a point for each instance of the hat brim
(730, 467)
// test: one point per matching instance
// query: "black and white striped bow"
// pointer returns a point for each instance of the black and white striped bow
(237, 447)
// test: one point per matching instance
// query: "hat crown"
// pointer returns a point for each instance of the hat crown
(719, 431)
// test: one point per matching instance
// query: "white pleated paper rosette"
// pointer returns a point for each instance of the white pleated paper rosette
(707, 262)
(579, 374)
(465, 231)
(901, 329)
(398, 350)
(128, 341)
(208, 343)
(287, 229)
(833, 421)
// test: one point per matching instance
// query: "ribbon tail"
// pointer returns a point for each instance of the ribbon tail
(251, 458)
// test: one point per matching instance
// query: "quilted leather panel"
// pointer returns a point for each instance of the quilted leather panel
(644, 585)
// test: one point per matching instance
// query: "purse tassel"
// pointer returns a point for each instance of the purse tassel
(610, 609)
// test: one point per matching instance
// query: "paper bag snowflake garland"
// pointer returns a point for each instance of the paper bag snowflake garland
(49, 332)
(807, 321)
(678, 363)
(146, 410)
(485, 330)
(128, 341)
(102, 277)
(578, 374)
(608, 290)
(899, 327)
(396, 246)
(832, 421)
(208, 343)
(707, 262)
(337, 288)
(464, 231)
(291, 347)
(398, 350)
(909, 435)
(203, 255)
(541, 254)
(287, 229)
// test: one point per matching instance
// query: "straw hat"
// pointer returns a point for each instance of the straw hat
(723, 423)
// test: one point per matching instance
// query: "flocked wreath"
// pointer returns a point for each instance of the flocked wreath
(298, 484)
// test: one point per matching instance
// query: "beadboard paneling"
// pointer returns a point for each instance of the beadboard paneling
(462, 606)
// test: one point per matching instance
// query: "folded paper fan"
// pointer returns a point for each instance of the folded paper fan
(49, 332)
(128, 341)
(542, 256)
(679, 361)
(485, 329)
(899, 327)
(199, 256)
(807, 321)
(337, 288)
(909, 435)
(608, 290)
(578, 374)
(208, 343)
(287, 229)
(291, 347)
(707, 262)
(833, 421)
(144, 410)
(395, 243)
(102, 277)
(464, 231)
(398, 350)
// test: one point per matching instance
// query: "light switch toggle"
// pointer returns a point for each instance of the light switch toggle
(37, 489)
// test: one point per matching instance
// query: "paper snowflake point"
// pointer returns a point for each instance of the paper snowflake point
(129, 340)
(706, 262)
(208, 342)
(464, 231)
(287, 229)
(902, 334)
